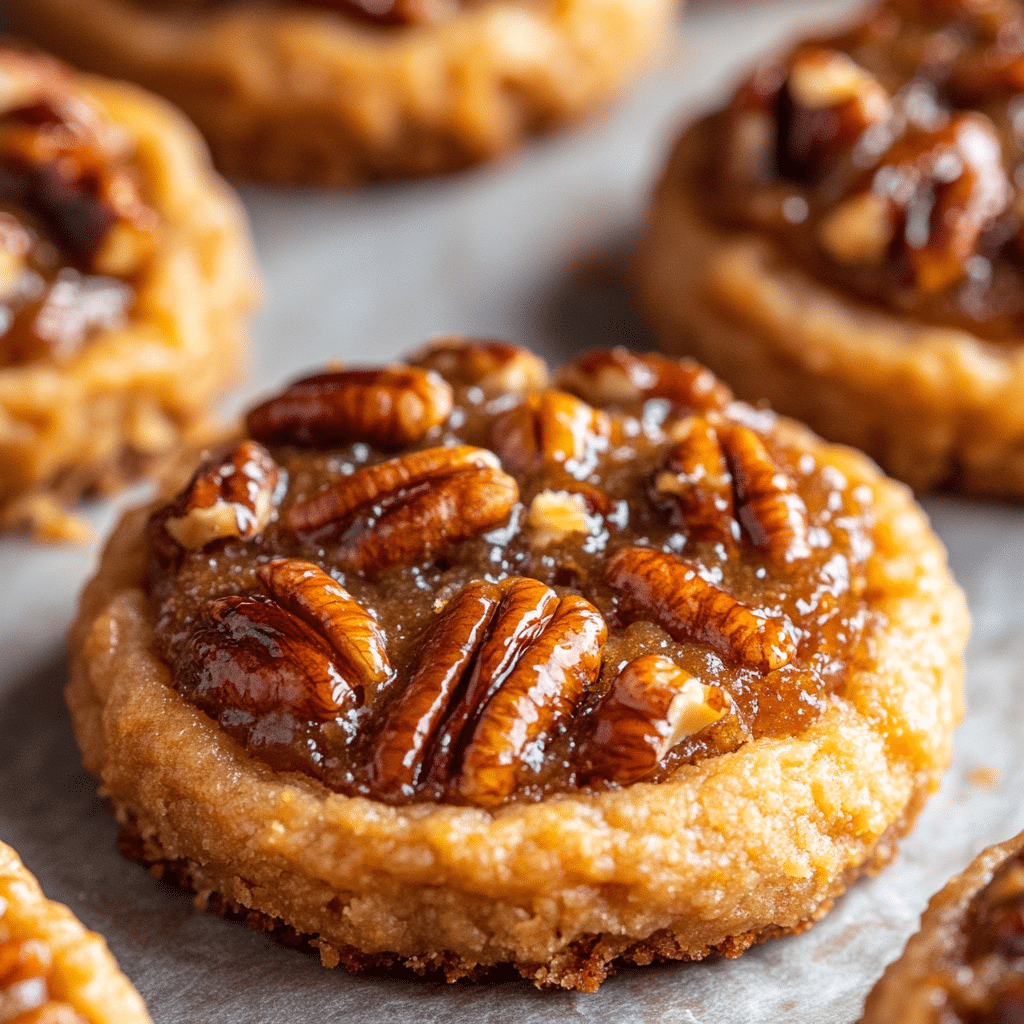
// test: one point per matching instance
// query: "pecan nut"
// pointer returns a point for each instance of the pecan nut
(610, 377)
(411, 508)
(310, 594)
(695, 486)
(769, 508)
(651, 706)
(308, 649)
(665, 590)
(487, 363)
(554, 515)
(551, 428)
(500, 669)
(389, 407)
(233, 493)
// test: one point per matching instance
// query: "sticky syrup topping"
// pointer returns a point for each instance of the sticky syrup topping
(454, 580)
(887, 160)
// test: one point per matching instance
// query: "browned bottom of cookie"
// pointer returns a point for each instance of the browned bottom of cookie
(582, 966)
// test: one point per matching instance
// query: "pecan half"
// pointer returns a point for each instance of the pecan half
(551, 428)
(501, 667)
(695, 485)
(249, 654)
(309, 593)
(413, 507)
(617, 376)
(489, 364)
(651, 706)
(769, 508)
(233, 493)
(665, 590)
(390, 408)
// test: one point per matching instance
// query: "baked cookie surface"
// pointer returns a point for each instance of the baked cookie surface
(334, 93)
(447, 665)
(125, 273)
(53, 971)
(964, 964)
(843, 240)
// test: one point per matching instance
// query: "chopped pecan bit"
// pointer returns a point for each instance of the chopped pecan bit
(943, 189)
(695, 485)
(859, 230)
(489, 364)
(770, 510)
(651, 706)
(551, 428)
(415, 506)
(553, 515)
(252, 655)
(233, 493)
(389, 408)
(306, 591)
(617, 376)
(665, 590)
(501, 667)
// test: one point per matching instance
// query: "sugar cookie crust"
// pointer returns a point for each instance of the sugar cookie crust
(291, 95)
(731, 850)
(132, 393)
(83, 972)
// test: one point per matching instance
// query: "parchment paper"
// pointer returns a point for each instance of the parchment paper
(505, 251)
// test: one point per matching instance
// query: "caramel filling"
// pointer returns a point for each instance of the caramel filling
(887, 161)
(425, 590)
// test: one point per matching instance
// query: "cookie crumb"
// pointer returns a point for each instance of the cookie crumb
(984, 775)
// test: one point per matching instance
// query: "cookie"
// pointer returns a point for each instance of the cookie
(334, 92)
(51, 969)
(964, 965)
(843, 240)
(125, 274)
(447, 665)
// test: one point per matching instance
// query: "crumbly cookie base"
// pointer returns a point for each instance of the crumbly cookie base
(583, 966)
(734, 848)
(291, 95)
(84, 973)
(132, 395)
(907, 990)
(938, 408)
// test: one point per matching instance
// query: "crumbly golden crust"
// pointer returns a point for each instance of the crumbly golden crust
(730, 850)
(937, 407)
(912, 989)
(289, 94)
(131, 394)
(83, 973)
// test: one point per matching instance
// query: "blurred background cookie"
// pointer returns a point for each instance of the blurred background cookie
(53, 971)
(339, 91)
(843, 238)
(125, 277)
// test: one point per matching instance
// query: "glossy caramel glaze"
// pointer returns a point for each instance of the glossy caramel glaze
(887, 160)
(779, 616)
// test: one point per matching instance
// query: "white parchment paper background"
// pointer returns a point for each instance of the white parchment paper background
(365, 276)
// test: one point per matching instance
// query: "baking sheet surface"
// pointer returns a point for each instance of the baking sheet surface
(527, 251)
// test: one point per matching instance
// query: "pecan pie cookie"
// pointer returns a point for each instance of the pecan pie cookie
(966, 964)
(444, 664)
(53, 971)
(335, 92)
(845, 237)
(124, 275)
